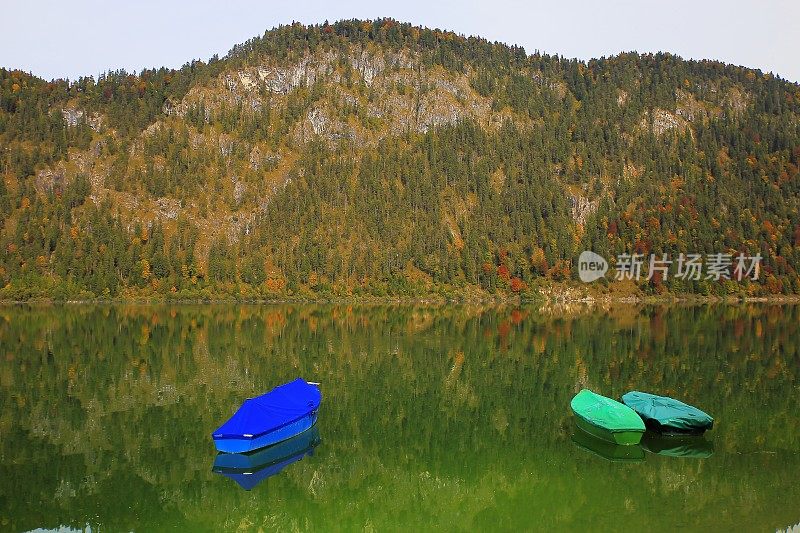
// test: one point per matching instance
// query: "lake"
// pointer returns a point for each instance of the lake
(433, 417)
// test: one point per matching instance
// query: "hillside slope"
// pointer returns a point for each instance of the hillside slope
(373, 158)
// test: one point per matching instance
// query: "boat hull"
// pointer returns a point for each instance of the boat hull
(625, 437)
(250, 469)
(258, 459)
(670, 431)
(248, 444)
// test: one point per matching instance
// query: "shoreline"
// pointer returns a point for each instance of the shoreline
(425, 300)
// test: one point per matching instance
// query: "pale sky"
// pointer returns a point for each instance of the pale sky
(56, 39)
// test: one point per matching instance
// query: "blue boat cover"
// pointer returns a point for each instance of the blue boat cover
(280, 406)
(667, 412)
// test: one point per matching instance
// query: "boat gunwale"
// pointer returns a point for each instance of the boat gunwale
(243, 436)
(623, 430)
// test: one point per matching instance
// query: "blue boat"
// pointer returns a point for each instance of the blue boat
(280, 414)
(250, 469)
(668, 416)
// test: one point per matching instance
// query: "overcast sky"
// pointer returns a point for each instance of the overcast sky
(73, 38)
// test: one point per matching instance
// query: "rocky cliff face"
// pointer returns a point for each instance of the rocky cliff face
(362, 95)
(390, 88)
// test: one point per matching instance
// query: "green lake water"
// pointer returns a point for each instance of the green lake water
(433, 418)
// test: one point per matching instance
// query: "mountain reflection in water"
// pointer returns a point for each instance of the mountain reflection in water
(435, 417)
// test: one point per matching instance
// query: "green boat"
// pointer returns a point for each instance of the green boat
(667, 415)
(606, 419)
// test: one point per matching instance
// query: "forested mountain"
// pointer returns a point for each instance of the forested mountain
(375, 158)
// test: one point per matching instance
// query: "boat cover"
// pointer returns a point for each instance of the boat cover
(280, 406)
(605, 412)
(667, 412)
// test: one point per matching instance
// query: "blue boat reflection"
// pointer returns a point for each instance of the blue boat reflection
(696, 447)
(250, 469)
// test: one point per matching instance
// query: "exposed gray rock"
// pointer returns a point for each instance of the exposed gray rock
(664, 121)
(283, 80)
(688, 107)
(155, 127)
(96, 121)
(449, 87)
(72, 116)
(239, 190)
(318, 121)
(168, 208)
(96, 148)
(230, 83)
(582, 207)
(368, 65)
(225, 145)
(171, 108)
(434, 119)
(50, 180)
(437, 110)
(737, 100)
(255, 158)
(260, 159)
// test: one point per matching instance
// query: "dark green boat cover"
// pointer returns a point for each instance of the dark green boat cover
(605, 412)
(667, 413)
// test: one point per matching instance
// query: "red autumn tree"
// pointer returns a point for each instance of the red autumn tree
(503, 272)
(517, 284)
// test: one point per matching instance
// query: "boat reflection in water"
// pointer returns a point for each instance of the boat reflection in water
(250, 469)
(607, 450)
(678, 446)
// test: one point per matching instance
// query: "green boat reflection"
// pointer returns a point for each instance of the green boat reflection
(607, 450)
(677, 446)
(250, 469)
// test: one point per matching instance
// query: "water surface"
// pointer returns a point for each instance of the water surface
(443, 418)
